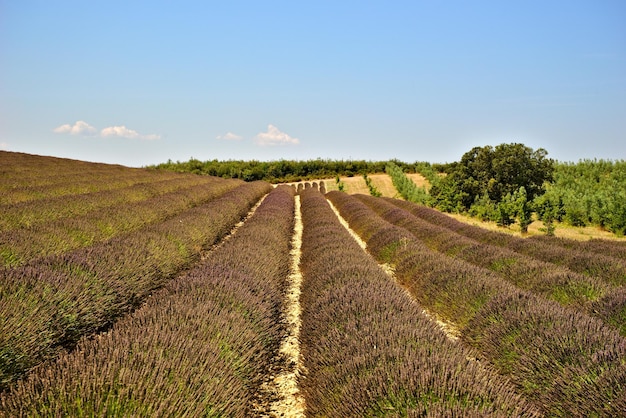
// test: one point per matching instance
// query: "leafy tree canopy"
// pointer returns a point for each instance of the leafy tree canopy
(494, 172)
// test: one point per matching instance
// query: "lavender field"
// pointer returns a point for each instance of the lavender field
(137, 292)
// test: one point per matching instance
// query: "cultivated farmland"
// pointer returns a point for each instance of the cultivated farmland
(134, 292)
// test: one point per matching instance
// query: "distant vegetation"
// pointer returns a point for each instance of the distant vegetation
(506, 184)
(406, 187)
(495, 184)
(590, 192)
(281, 171)
(511, 182)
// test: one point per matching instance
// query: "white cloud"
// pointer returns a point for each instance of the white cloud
(84, 129)
(274, 136)
(79, 128)
(229, 137)
(4, 146)
(124, 132)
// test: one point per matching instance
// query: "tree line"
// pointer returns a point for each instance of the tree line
(507, 183)
(280, 171)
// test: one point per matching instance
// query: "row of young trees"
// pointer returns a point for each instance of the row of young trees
(373, 190)
(590, 192)
(406, 187)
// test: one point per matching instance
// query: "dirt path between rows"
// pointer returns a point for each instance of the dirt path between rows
(448, 328)
(282, 385)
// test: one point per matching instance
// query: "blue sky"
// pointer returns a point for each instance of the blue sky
(141, 82)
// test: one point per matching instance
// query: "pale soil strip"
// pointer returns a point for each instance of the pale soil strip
(447, 327)
(288, 402)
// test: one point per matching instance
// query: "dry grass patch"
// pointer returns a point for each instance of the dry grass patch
(353, 185)
(384, 185)
(536, 228)
(419, 180)
(356, 184)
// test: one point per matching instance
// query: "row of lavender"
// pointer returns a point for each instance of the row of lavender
(23, 245)
(28, 213)
(202, 345)
(606, 262)
(612, 248)
(596, 296)
(26, 177)
(199, 347)
(564, 361)
(599, 260)
(51, 303)
(368, 350)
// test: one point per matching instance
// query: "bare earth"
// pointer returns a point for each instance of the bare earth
(283, 387)
(352, 185)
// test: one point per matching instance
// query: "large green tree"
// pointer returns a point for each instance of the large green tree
(496, 173)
